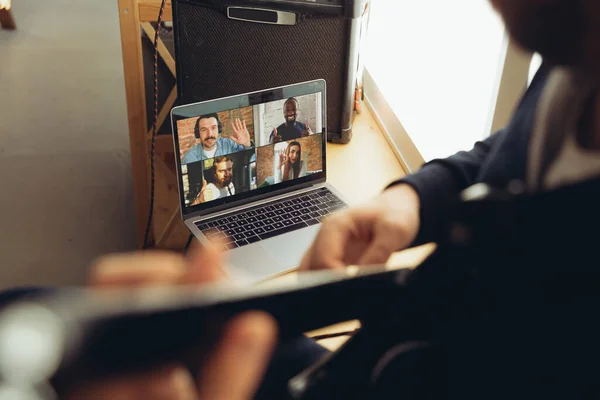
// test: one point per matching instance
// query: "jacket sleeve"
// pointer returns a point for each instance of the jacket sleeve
(439, 182)
(234, 147)
(189, 157)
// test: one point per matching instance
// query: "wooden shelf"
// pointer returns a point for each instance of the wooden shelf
(148, 10)
(166, 231)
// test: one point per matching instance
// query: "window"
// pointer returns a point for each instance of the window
(536, 63)
(436, 66)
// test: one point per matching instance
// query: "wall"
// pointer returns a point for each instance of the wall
(67, 191)
(185, 128)
(437, 63)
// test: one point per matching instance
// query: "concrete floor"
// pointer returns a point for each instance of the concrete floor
(65, 176)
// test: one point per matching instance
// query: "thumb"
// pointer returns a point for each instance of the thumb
(205, 265)
(238, 362)
(203, 183)
(378, 252)
(307, 127)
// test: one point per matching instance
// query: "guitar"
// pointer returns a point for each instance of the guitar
(505, 306)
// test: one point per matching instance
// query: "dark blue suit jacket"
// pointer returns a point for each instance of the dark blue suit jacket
(496, 161)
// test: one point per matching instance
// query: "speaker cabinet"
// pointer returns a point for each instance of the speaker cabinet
(225, 48)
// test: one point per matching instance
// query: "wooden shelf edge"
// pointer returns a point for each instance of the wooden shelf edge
(136, 112)
(148, 10)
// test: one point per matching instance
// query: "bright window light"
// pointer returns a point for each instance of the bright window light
(438, 64)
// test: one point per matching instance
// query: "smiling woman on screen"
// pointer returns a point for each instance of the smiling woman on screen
(290, 165)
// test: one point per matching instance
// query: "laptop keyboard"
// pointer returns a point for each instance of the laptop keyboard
(271, 219)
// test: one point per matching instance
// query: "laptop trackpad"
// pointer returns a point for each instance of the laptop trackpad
(287, 250)
(250, 264)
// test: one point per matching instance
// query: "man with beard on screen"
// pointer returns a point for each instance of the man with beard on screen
(223, 185)
(291, 129)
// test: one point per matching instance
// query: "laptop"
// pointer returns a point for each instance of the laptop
(252, 175)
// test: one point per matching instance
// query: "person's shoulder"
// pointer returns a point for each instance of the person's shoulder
(302, 125)
(540, 80)
(193, 149)
(226, 143)
(191, 155)
(528, 104)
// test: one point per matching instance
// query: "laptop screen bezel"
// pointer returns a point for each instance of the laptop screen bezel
(245, 100)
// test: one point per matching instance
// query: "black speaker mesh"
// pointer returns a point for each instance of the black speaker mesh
(222, 57)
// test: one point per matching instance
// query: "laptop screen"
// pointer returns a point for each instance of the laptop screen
(233, 149)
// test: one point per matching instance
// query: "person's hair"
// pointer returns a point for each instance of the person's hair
(296, 165)
(206, 116)
(221, 159)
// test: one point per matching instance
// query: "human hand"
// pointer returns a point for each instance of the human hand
(276, 137)
(282, 158)
(307, 132)
(240, 133)
(201, 198)
(235, 368)
(366, 234)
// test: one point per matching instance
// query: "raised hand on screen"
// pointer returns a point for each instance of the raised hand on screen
(200, 198)
(307, 131)
(240, 133)
(276, 137)
(282, 158)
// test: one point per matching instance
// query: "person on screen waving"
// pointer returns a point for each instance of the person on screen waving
(291, 129)
(290, 165)
(208, 129)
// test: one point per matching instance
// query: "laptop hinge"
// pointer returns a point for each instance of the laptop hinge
(252, 202)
